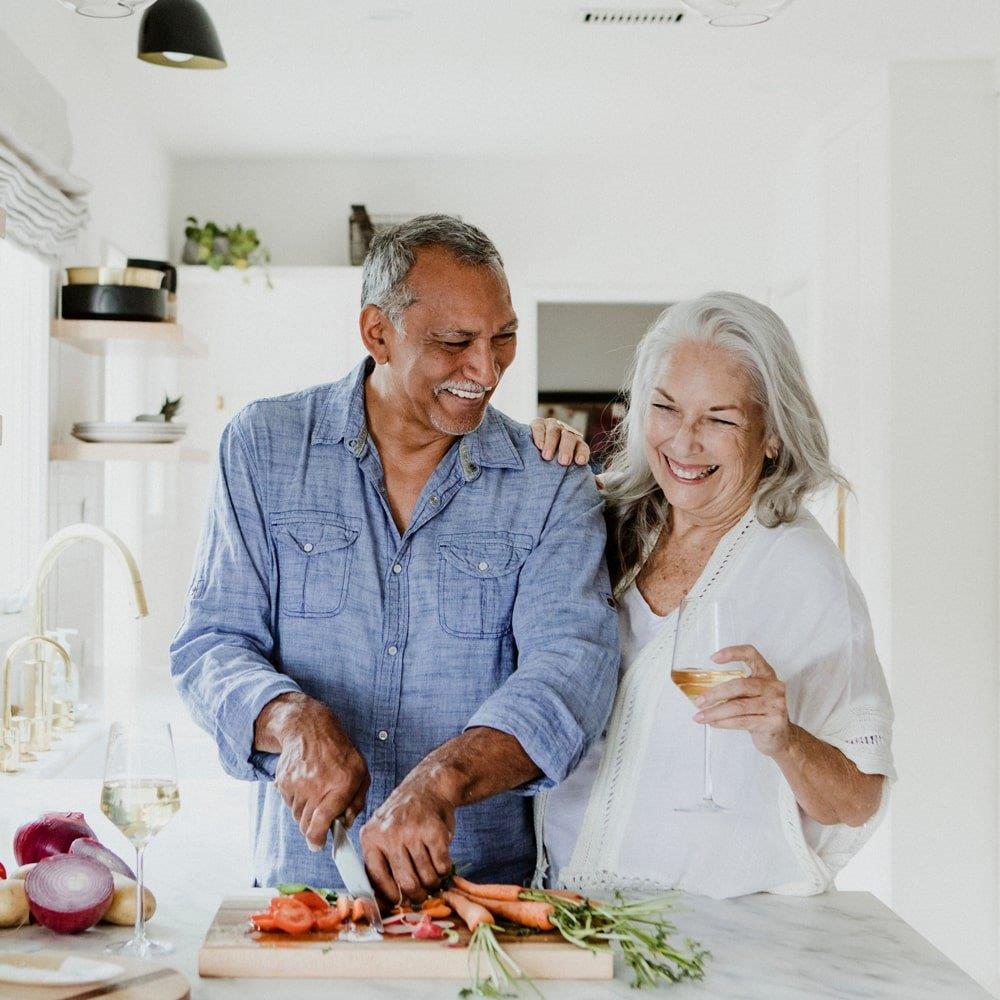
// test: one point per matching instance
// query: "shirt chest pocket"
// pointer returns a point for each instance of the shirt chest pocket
(477, 582)
(314, 562)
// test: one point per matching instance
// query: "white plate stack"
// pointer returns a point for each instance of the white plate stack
(129, 432)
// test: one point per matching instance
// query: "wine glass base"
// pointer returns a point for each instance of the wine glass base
(139, 949)
(705, 806)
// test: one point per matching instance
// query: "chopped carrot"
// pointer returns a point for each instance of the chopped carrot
(358, 912)
(527, 913)
(436, 912)
(472, 912)
(344, 906)
(511, 892)
(312, 899)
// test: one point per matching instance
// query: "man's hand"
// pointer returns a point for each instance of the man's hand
(320, 773)
(405, 843)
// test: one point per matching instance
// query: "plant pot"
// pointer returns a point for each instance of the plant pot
(190, 252)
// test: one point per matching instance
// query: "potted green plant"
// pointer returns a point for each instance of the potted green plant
(212, 245)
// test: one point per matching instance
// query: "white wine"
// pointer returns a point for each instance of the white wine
(696, 682)
(140, 809)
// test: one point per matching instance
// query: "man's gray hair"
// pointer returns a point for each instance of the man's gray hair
(392, 253)
(761, 343)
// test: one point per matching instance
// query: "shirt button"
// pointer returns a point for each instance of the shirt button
(353, 443)
(308, 547)
(392, 651)
(435, 501)
(383, 735)
(483, 567)
(397, 568)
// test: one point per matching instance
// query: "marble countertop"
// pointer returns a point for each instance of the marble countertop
(842, 945)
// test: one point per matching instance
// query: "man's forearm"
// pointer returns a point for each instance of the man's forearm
(475, 765)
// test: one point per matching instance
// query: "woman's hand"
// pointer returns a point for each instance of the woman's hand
(552, 436)
(755, 703)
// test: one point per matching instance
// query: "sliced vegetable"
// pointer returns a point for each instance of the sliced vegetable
(344, 907)
(68, 894)
(52, 833)
(427, 931)
(471, 912)
(398, 930)
(125, 902)
(312, 899)
(328, 921)
(263, 921)
(87, 847)
(293, 888)
(13, 904)
(295, 918)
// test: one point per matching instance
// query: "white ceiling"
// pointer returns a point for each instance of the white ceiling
(390, 78)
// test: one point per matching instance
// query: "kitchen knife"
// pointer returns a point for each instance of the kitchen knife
(353, 874)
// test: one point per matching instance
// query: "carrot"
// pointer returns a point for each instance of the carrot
(573, 897)
(509, 892)
(527, 913)
(344, 906)
(472, 912)
(358, 912)
(436, 912)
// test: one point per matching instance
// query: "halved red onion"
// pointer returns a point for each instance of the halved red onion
(87, 847)
(68, 893)
(52, 833)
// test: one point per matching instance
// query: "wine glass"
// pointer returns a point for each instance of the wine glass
(703, 628)
(139, 796)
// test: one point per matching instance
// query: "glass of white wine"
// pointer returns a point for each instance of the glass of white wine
(139, 796)
(703, 628)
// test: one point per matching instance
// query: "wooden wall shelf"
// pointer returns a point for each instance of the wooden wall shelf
(95, 335)
(87, 451)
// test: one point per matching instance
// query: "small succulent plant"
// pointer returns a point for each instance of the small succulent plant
(170, 408)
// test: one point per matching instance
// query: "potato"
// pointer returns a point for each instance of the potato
(123, 903)
(22, 872)
(13, 903)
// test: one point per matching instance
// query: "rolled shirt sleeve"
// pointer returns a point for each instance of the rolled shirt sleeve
(565, 627)
(220, 655)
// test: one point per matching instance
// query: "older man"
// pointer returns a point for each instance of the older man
(398, 596)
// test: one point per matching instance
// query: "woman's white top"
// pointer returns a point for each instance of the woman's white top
(612, 823)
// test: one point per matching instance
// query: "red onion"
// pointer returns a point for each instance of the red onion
(87, 847)
(52, 833)
(68, 894)
(3, 871)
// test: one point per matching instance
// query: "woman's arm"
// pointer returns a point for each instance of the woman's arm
(829, 787)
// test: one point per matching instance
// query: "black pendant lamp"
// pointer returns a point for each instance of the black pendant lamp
(179, 33)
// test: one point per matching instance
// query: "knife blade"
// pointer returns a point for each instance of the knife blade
(353, 874)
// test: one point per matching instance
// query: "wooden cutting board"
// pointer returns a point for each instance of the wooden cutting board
(141, 980)
(233, 948)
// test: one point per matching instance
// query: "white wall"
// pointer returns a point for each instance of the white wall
(906, 356)
(116, 151)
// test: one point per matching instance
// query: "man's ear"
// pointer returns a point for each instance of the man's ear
(376, 333)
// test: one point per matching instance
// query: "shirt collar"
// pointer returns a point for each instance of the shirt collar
(489, 446)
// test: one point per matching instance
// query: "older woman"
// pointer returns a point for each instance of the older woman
(721, 444)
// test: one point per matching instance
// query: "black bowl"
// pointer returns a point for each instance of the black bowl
(113, 302)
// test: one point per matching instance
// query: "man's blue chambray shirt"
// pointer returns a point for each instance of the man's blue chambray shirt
(492, 609)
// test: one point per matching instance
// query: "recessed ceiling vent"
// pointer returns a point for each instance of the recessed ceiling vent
(631, 15)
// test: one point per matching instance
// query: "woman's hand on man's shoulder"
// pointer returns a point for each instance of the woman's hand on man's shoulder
(556, 439)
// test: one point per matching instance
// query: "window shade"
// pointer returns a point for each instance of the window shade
(45, 204)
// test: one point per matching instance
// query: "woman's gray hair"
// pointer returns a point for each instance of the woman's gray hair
(392, 252)
(761, 343)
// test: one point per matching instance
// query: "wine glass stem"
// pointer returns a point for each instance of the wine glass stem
(139, 933)
(706, 766)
